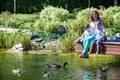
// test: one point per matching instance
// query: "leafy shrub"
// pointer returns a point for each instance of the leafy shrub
(28, 25)
(108, 20)
(5, 14)
(52, 13)
(75, 26)
(1, 21)
(112, 20)
(11, 22)
(52, 27)
(117, 16)
(112, 10)
(39, 24)
(84, 14)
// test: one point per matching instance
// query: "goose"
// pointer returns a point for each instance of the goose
(57, 65)
(48, 74)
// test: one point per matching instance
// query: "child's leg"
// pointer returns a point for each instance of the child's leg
(91, 46)
(98, 45)
(97, 51)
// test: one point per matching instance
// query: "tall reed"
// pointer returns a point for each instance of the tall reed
(7, 40)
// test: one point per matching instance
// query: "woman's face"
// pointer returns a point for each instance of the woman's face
(95, 15)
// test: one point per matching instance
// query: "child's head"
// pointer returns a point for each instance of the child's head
(87, 27)
(98, 25)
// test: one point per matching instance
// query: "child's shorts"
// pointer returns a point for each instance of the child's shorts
(98, 41)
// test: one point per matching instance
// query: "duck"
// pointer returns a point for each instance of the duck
(57, 65)
(16, 71)
(48, 74)
(104, 69)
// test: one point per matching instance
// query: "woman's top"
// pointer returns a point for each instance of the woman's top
(93, 26)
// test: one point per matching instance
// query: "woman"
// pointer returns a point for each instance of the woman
(94, 19)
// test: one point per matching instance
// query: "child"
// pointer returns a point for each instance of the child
(100, 37)
(86, 33)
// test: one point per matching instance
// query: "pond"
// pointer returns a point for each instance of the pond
(32, 66)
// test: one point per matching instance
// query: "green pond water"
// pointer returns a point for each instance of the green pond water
(33, 65)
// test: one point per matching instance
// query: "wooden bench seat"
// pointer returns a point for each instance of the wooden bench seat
(108, 47)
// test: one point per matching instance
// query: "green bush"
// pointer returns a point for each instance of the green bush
(52, 13)
(5, 15)
(108, 20)
(117, 16)
(112, 10)
(52, 27)
(1, 21)
(84, 14)
(112, 20)
(75, 26)
(28, 25)
(39, 24)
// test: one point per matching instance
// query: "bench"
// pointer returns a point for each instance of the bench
(108, 47)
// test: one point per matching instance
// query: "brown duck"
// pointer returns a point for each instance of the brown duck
(48, 74)
(57, 65)
(104, 69)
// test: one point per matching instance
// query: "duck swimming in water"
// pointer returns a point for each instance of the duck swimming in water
(104, 69)
(16, 71)
(57, 65)
(48, 74)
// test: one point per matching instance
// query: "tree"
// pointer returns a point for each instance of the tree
(89, 3)
(115, 2)
(14, 6)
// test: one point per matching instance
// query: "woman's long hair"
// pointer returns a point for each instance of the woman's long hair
(91, 17)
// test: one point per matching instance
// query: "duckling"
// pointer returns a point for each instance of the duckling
(16, 71)
(57, 65)
(48, 74)
(104, 69)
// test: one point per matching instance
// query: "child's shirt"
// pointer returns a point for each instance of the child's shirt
(87, 33)
(99, 33)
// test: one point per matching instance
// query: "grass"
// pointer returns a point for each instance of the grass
(25, 17)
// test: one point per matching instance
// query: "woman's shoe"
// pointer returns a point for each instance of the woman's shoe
(84, 56)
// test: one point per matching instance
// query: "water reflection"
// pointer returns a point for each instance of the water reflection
(18, 70)
(86, 75)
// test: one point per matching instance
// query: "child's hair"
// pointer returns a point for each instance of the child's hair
(98, 23)
(86, 26)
